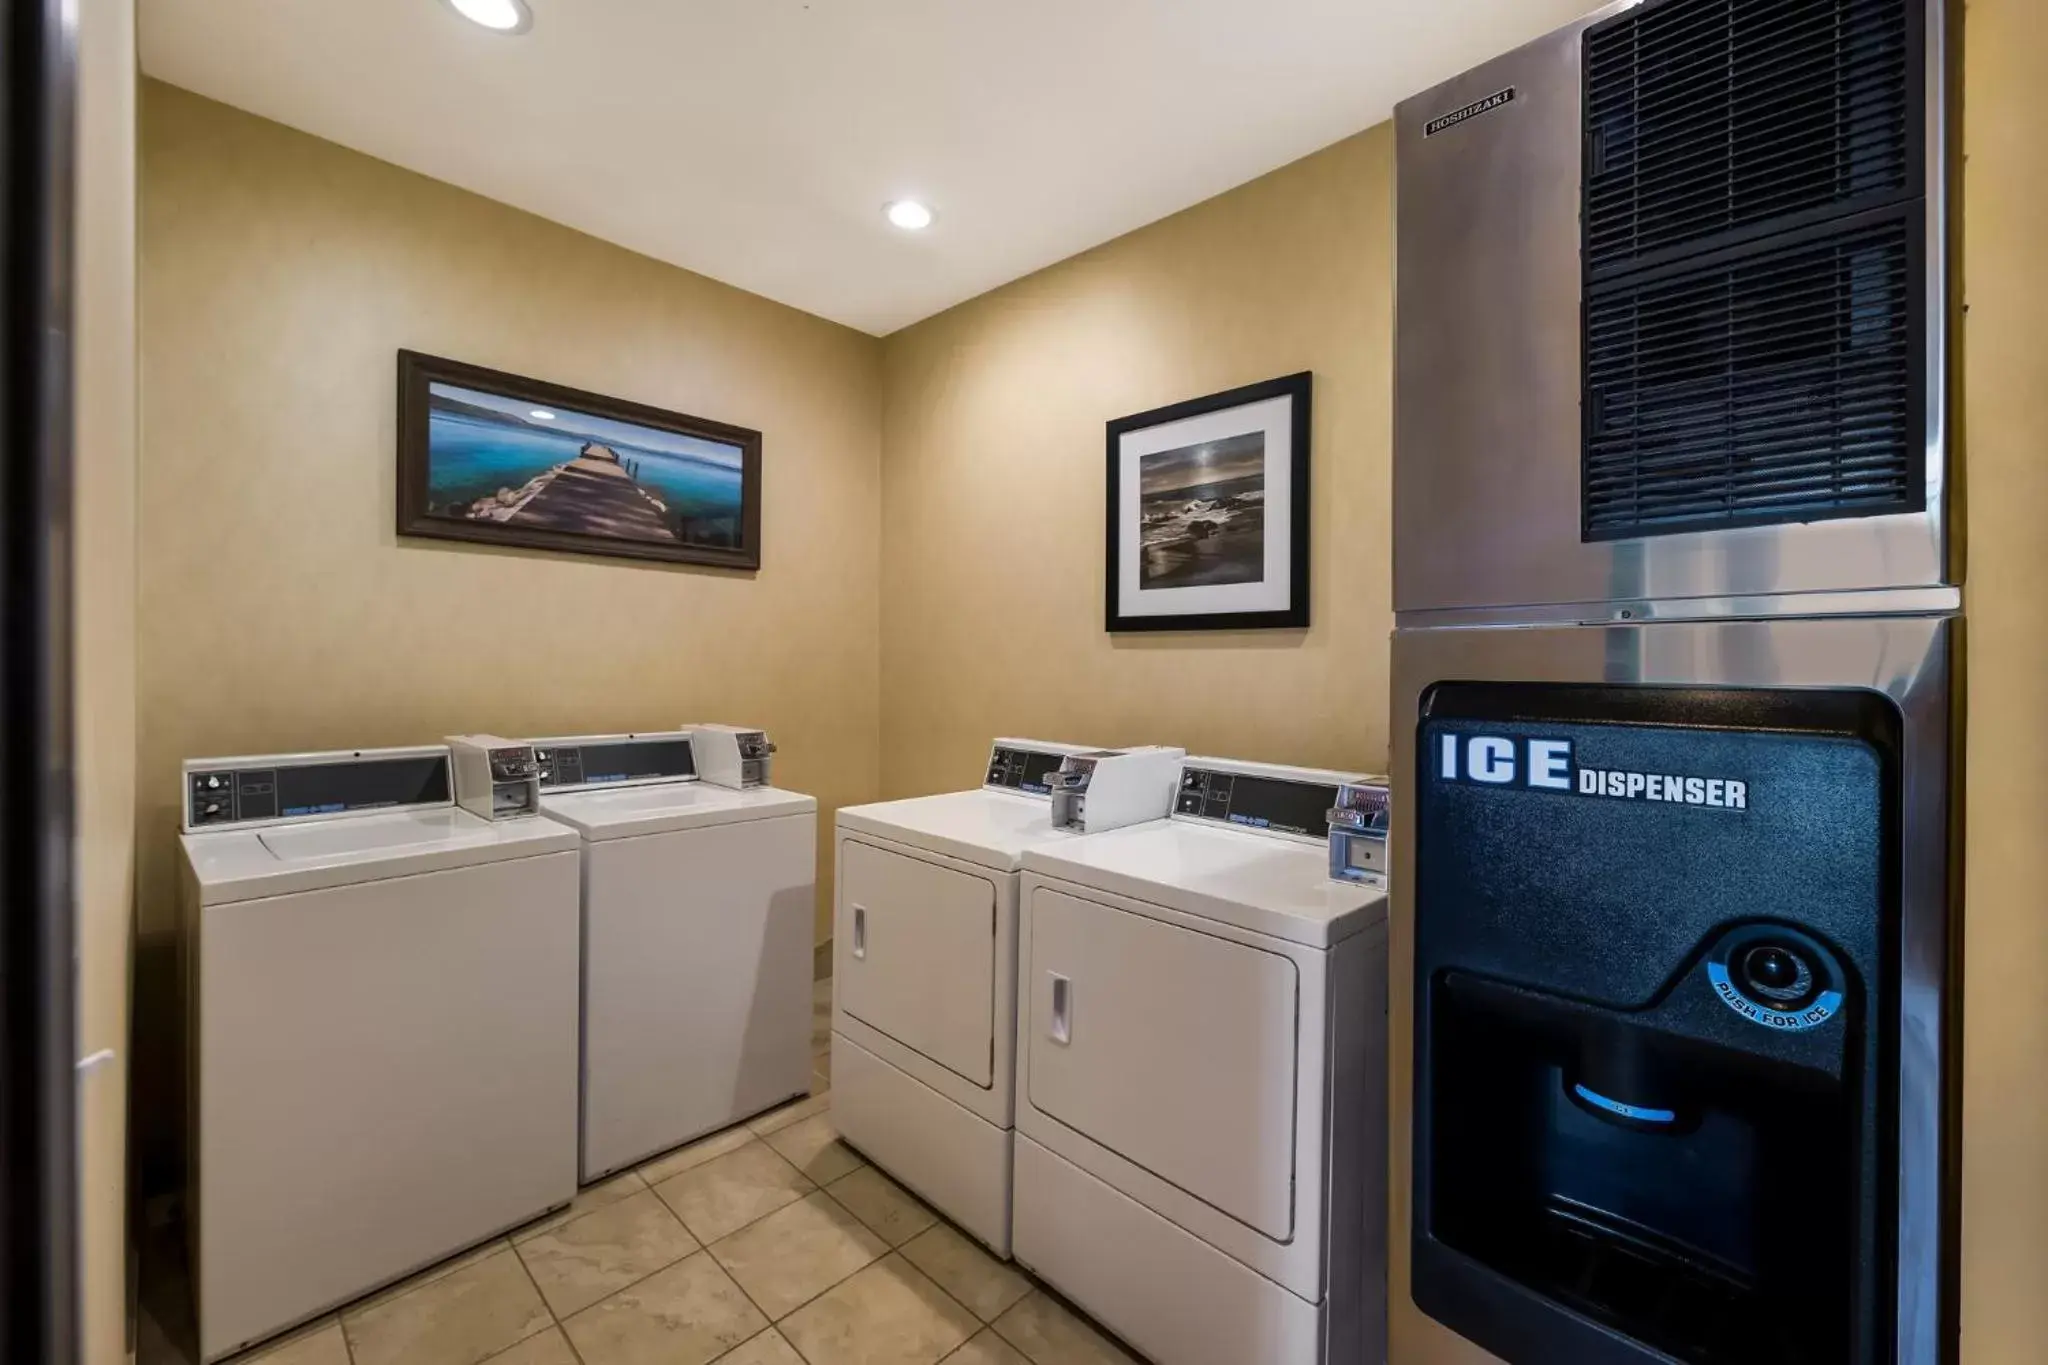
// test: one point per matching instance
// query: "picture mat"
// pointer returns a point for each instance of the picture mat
(1273, 416)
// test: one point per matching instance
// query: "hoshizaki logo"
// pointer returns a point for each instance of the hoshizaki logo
(1549, 765)
(1469, 112)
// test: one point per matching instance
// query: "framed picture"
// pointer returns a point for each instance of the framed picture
(503, 460)
(1208, 512)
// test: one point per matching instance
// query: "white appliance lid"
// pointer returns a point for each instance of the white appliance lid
(988, 828)
(661, 807)
(248, 864)
(1272, 886)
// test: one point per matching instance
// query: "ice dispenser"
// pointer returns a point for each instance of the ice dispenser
(1654, 1082)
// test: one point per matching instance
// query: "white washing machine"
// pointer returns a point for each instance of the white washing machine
(924, 975)
(699, 904)
(1201, 1078)
(382, 996)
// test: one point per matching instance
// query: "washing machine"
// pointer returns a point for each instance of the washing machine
(699, 903)
(1201, 1077)
(924, 975)
(382, 1032)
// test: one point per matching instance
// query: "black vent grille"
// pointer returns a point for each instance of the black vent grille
(1781, 385)
(1708, 117)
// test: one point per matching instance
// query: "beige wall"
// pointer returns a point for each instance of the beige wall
(2005, 410)
(992, 534)
(104, 641)
(280, 276)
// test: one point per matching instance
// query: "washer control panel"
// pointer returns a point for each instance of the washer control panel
(1277, 805)
(222, 793)
(1018, 768)
(613, 760)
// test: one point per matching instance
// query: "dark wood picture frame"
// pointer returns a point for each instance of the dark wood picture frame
(1295, 616)
(416, 518)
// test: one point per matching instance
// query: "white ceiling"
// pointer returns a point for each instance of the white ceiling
(757, 140)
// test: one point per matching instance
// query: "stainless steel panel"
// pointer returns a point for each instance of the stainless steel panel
(1487, 373)
(1905, 658)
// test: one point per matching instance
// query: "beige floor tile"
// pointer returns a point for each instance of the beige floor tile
(812, 1145)
(319, 1343)
(966, 1271)
(549, 1348)
(464, 1317)
(726, 1193)
(688, 1314)
(886, 1207)
(788, 1114)
(987, 1349)
(579, 1263)
(821, 1060)
(767, 1349)
(696, 1154)
(461, 1261)
(588, 1200)
(791, 1257)
(888, 1314)
(1048, 1334)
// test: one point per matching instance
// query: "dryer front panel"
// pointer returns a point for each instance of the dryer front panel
(1175, 1049)
(917, 961)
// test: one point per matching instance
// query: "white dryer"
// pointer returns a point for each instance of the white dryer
(924, 975)
(1201, 1077)
(382, 996)
(699, 905)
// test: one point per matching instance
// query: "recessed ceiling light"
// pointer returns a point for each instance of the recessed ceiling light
(541, 415)
(909, 215)
(502, 16)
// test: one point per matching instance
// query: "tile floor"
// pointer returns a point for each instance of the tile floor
(772, 1243)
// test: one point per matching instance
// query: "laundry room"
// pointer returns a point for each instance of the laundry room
(1061, 684)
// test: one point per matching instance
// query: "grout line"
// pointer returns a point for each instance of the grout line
(553, 1320)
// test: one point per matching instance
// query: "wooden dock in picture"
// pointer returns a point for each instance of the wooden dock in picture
(593, 494)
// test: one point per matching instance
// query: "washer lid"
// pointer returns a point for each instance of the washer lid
(248, 864)
(989, 828)
(1271, 886)
(661, 808)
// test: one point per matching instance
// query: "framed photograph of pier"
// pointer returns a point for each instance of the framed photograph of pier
(1208, 512)
(503, 460)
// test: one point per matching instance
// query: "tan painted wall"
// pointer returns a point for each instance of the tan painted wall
(992, 539)
(2005, 411)
(104, 659)
(280, 276)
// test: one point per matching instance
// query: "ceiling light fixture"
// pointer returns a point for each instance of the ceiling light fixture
(909, 215)
(541, 415)
(500, 16)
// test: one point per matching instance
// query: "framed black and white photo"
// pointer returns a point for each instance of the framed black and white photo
(1208, 512)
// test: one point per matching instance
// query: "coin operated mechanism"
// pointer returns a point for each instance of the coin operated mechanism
(498, 779)
(732, 755)
(1112, 788)
(1358, 832)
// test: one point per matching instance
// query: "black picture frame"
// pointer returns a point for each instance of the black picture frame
(1121, 521)
(418, 518)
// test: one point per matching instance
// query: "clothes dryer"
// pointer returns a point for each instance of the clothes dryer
(382, 996)
(1201, 1077)
(925, 940)
(698, 912)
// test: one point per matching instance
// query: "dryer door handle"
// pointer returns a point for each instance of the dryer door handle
(860, 932)
(1062, 1029)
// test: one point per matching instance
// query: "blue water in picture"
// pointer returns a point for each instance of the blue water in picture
(479, 444)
